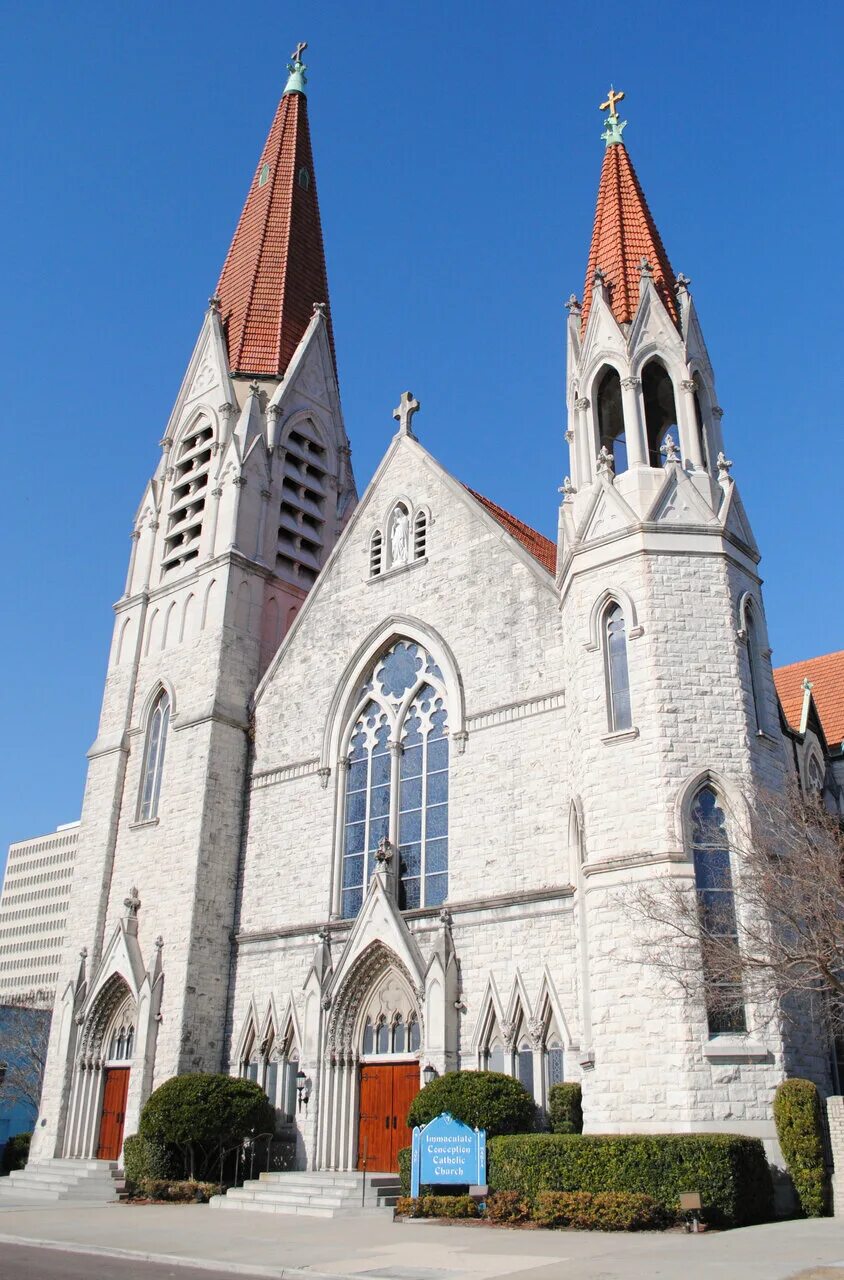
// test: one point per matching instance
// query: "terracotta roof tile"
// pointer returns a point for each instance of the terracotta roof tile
(275, 268)
(540, 547)
(827, 678)
(624, 233)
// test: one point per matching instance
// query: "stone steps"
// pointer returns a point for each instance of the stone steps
(91, 1181)
(313, 1195)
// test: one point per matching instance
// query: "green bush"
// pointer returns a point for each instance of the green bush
(405, 1160)
(482, 1099)
(564, 1108)
(730, 1172)
(507, 1206)
(15, 1152)
(603, 1211)
(436, 1207)
(202, 1115)
(143, 1158)
(181, 1191)
(797, 1113)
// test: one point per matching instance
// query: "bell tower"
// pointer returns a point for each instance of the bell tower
(252, 488)
(670, 680)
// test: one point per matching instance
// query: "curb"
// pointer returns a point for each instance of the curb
(177, 1260)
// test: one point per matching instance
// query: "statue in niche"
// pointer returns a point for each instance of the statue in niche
(400, 537)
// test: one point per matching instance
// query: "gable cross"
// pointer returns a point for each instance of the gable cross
(612, 99)
(404, 411)
(296, 55)
(132, 903)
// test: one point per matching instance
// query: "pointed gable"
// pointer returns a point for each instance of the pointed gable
(826, 676)
(275, 271)
(540, 547)
(624, 233)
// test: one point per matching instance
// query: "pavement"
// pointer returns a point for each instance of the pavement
(373, 1247)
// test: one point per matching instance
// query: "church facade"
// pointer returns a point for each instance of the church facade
(373, 776)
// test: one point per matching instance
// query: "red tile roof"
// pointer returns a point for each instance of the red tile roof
(540, 547)
(624, 233)
(275, 268)
(827, 678)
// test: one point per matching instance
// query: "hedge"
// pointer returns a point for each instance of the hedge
(730, 1172)
(203, 1114)
(797, 1113)
(180, 1191)
(603, 1211)
(143, 1159)
(565, 1111)
(482, 1099)
(436, 1207)
(15, 1152)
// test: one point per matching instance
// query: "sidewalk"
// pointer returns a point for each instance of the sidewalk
(375, 1247)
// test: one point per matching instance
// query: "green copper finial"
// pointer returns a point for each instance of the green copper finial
(297, 79)
(615, 127)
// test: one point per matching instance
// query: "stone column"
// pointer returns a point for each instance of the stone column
(634, 419)
(584, 442)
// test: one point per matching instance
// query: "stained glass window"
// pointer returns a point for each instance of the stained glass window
(717, 911)
(618, 683)
(154, 758)
(397, 779)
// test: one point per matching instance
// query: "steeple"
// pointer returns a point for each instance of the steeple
(275, 269)
(625, 240)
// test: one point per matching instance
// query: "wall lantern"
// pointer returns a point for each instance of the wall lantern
(428, 1074)
(302, 1088)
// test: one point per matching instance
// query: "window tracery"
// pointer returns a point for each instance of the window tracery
(156, 744)
(120, 1040)
(391, 1022)
(397, 779)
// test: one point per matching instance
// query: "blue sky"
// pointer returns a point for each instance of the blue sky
(458, 152)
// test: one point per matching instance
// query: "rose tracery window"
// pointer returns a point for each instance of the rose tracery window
(397, 780)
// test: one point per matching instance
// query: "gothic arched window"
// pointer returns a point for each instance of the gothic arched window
(397, 780)
(717, 914)
(120, 1040)
(754, 659)
(159, 723)
(660, 409)
(610, 415)
(191, 470)
(617, 676)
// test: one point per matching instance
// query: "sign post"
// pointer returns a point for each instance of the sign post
(446, 1152)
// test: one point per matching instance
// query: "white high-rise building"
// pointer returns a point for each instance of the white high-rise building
(33, 914)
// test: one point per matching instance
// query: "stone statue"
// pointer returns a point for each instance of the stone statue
(399, 538)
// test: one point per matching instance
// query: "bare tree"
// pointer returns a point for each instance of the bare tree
(758, 919)
(24, 1034)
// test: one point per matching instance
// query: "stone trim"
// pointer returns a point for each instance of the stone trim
(510, 711)
(394, 572)
(733, 1047)
(285, 773)
(620, 735)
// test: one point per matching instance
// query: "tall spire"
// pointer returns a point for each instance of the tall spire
(625, 241)
(275, 273)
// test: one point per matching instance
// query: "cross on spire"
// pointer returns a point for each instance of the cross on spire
(404, 411)
(612, 99)
(296, 55)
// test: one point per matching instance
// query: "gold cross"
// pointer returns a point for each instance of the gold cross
(612, 99)
(300, 49)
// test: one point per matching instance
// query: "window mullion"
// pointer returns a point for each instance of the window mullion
(396, 751)
(423, 824)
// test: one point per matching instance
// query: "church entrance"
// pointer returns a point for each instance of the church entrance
(115, 1089)
(386, 1092)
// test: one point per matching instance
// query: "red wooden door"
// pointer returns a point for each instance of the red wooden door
(114, 1112)
(386, 1092)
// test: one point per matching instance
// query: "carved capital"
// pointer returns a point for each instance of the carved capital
(631, 382)
(216, 493)
(226, 410)
(569, 436)
(274, 411)
(266, 494)
(166, 444)
(344, 763)
(324, 774)
(717, 411)
(582, 403)
(536, 1032)
(135, 534)
(239, 481)
(688, 384)
(460, 739)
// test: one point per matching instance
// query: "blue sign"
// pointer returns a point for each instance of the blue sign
(446, 1151)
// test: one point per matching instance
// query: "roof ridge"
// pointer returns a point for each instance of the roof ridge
(543, 550)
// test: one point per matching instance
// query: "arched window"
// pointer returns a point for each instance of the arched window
(494, 1056)
(754, 659)
(554, 1061)
(375, 554)
(524, 1063)
(300, 546)
(420, 534)
(610, 416)
(120, 1039)
(815, 775)
(157, 728)
(717, 914)
(391, 1025)
(660, 410)
(187, 499)
(617, 676)
(397, 779)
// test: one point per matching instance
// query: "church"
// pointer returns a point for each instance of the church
(373, 773)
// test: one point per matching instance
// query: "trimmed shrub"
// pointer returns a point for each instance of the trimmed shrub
(507, 1206)
(405, 1158)
(204, 1114)
(564, 1108)
(436, 1207)
(730, 1172)
(603, 1211)
(143, 1159)
(181, 1191)
(482, 1099)
(15, 1152)
(797, 1113)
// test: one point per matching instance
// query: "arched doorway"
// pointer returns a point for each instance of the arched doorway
(374, 1046)
(103, 1065)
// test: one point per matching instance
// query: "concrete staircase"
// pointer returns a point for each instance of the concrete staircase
(313, 1195)
(79, 1181)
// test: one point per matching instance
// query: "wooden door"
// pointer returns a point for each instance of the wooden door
(114, 1112)
(386, 1092)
